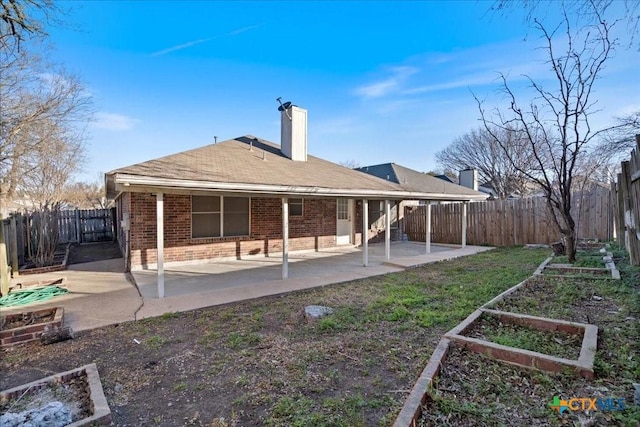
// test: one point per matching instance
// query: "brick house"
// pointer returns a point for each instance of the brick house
(409, 180)
(245, 197)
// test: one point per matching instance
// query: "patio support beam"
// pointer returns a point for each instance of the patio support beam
(285, 238)
(160, 242)
(365, 232)
(464, 224)
(387, 230)
(428, 226)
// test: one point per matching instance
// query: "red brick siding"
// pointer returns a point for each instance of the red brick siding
(315, 229)
(22, 334)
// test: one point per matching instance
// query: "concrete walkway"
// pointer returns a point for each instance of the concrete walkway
(100, 294)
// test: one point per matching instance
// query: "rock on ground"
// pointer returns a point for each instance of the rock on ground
(53, 414)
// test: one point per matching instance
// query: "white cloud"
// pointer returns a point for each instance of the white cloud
(179, 47)
(242, 30)
(114, 122)
(384, 87)
(199, 41)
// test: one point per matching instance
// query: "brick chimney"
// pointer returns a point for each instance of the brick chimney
(293, 133)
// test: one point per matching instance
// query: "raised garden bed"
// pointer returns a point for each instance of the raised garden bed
(591, 261)
(581, 365)
(572, 270)
(473, 390)
(60, 261)
(23, 327)
(79, 390)
(576, 299)
(507, 331)
(461, 386)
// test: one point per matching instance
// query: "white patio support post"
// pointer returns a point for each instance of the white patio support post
(387, 230)
(428, 226)
(285, 238)
(365, 232)
(160, 242)
(464, 224)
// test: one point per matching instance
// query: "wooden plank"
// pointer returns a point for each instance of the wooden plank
(13, 247)
(4, 264)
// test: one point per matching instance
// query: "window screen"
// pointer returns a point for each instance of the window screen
(295, 207)
(215, 216)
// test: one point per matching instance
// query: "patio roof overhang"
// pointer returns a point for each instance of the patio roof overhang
(118, 183)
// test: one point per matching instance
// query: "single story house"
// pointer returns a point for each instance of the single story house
(412, 181)
(246, 196)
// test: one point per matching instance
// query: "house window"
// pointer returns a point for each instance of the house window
(295, 207)
(343, 209)
(215, 216)
(236, 216)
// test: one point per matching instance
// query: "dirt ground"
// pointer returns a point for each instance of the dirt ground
(237, 363)
(90, 252)
(261, 362)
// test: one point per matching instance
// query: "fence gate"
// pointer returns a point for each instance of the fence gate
(86, 226)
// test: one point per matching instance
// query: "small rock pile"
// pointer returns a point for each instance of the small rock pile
(317, 311)
(53, 414)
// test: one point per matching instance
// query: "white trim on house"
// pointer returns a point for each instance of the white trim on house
(136, 183)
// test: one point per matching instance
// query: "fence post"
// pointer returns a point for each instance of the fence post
(4, 265)
(78, 229)
(14, 247)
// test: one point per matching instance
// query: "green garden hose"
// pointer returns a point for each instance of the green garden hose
(28, 296)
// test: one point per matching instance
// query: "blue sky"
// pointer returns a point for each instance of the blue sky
(382, 81)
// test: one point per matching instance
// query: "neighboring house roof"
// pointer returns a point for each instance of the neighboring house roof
(251, 165)
(414, 181)
(444, 178)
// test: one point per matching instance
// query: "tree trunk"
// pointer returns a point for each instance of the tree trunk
(570, 245)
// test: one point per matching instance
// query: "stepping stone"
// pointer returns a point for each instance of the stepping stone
(317, 311)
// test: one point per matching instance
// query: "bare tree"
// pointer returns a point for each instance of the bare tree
(40, 110)
(588, 11)
(447, 171)
(24, 19)
(86, 195)
(54, 164)
(555, 123)
(44, 113)
(351, 164)
(617, 142)
(498, 162)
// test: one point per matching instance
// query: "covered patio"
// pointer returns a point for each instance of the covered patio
(224, 281)
(244, 197)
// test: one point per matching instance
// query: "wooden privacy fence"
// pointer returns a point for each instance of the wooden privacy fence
(511, 222)
(628, 197)
(86, 226)
(74, 226)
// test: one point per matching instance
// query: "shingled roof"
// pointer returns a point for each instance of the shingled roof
(413, 181)
(252, 165)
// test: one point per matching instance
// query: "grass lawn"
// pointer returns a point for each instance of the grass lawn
(261, 363)
(475, 391)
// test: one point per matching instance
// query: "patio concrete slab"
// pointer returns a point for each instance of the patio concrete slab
(99, 294)
(194, 286)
